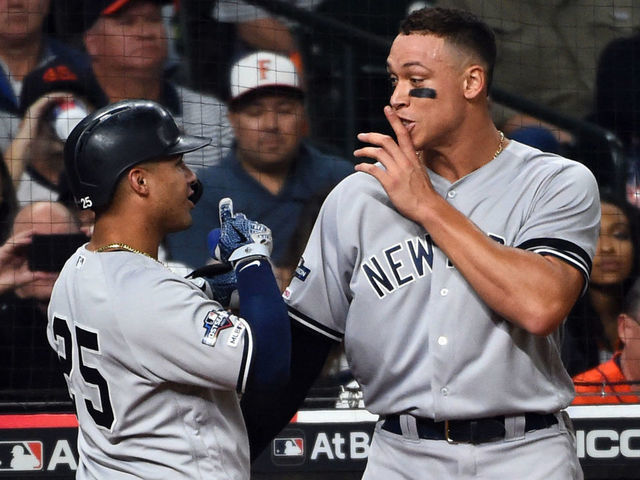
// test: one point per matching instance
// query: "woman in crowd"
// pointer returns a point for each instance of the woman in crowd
(591, 331)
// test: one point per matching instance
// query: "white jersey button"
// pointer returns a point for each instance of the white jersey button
(444, 391)
(444, 292)
(443, 341)
(451, 194)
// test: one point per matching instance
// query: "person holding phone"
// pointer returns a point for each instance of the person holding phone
(28, 367)
(55, 97)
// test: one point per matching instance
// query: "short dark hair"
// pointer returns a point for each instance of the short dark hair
(459, 27)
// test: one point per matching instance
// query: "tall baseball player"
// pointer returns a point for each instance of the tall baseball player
(447, 269)
(154, 366)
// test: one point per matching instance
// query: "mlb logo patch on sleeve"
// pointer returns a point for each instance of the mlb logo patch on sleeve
(20, 456)
(214, 323)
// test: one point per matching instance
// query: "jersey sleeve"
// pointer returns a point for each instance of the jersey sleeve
(564, 218)
(176, 334)
(318, 296)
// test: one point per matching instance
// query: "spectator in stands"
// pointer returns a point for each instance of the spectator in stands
(26, 360)
(257, 28)
(272, 172)
(617, 103)
(617, 90)
(591, 330)
(127, 43)
(23, 46)
(610, 381)
(56, 96)
(218, 32)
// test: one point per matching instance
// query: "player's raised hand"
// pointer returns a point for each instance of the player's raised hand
(404, 176)
(238, 238)
(225, 210)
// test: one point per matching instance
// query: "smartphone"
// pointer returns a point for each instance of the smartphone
(48, 253)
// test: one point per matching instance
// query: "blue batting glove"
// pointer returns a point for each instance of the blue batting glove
(238, 238)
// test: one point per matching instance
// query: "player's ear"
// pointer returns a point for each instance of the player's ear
(474, 81)
(138, 181)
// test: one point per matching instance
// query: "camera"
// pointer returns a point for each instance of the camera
(48, 253)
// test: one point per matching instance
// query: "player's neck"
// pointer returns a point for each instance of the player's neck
(135, 234)
(469, 151)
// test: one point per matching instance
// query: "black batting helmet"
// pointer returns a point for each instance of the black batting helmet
(109, 141)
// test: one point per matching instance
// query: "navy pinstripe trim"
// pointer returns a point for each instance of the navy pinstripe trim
(564, 250)
(314, 325)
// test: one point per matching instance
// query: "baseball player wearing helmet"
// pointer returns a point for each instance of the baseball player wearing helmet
(154, 366)
(447, 268)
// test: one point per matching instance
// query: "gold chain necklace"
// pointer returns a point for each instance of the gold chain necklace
(124, 246)
(499, 150)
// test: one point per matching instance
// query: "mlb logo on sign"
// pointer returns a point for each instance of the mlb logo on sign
(20, 456)
(288, 447)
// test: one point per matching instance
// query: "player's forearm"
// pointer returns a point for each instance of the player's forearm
(262, 306)
(527, 289)
(267, 413)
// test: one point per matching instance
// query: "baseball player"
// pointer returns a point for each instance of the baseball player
(447, 269)
(154, 366)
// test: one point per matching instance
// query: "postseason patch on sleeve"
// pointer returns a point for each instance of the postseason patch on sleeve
(301, 271)
(215, 322)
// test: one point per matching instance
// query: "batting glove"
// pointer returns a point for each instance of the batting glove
(218, 282)
(238, 238)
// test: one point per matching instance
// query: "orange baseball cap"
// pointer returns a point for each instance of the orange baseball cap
(94, 9)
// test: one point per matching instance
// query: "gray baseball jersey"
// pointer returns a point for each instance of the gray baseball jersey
(154, 368)
(416, 335)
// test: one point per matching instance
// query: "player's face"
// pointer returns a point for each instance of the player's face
(614, 257)
(426, 61)
(269, 130)
(134, 38)
(21, 19)
(170, 184)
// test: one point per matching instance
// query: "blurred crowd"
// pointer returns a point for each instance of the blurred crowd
(281, 99)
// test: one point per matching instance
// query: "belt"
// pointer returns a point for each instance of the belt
(481, 430)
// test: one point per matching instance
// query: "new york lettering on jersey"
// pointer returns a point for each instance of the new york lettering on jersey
(420, 253)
